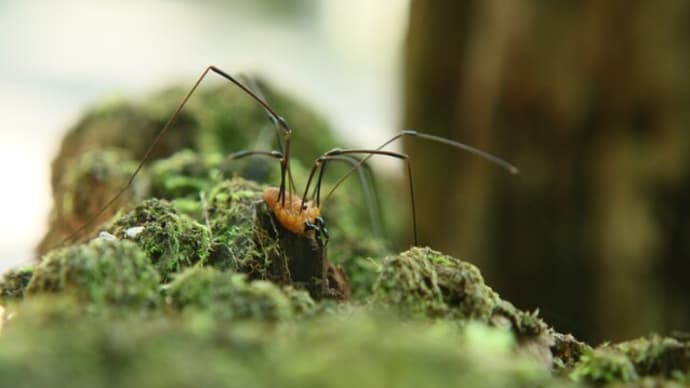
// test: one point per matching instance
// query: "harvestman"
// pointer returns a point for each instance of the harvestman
(294, 213)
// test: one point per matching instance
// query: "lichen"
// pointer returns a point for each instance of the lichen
(173, 241)
(99, 273)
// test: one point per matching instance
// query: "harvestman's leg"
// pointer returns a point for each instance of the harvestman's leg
(277, 126)
(282, 124)
(335, 153)
(370, 194)
(482, 154)
(272, 154)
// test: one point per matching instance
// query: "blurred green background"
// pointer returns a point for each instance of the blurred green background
(589, 98)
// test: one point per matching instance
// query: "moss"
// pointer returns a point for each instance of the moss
(98, 273)
(655, 356)
(604, 366)
(14, 282)
(363, 273)
(302, 304)
(230, 296)
(422, 283)
(172, 240)
(232, 218)
(567, 351)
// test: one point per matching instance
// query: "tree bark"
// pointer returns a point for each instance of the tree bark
(590, 99)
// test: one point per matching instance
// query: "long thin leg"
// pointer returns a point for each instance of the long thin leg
(278, 119)
(334, 153)
(242, 154)
(273, 154)
(285, 161)
(364, 174)
(482, 154)
(251, 83)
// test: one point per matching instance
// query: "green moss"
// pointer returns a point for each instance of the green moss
(423, 282)
(14, 282)
(567, 351)
(663, 358)
(229, 296)
(238, 244)
(172, 240)
(98, 273)
(656, 355)
(604, 366)
(302, 304)
(363, 273)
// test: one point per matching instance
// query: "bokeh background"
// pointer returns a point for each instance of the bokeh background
(591, 99)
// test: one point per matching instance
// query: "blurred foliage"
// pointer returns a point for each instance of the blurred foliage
(195, 351)
(590, 100)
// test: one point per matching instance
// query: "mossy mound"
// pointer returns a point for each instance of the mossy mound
(99, 273)
(424, 284)
(228, 296)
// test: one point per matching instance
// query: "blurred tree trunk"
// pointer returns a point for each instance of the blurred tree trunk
(591, 100)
